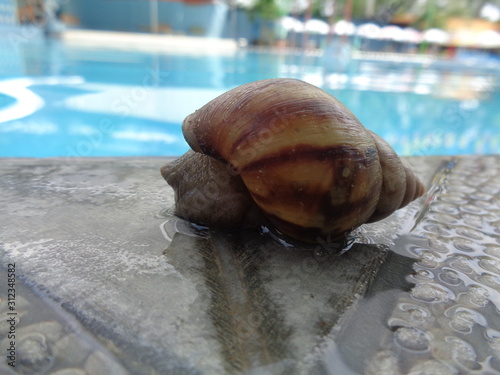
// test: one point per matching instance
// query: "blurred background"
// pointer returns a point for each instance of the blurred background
(117, 77)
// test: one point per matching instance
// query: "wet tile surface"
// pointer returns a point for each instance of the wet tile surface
(104, 271)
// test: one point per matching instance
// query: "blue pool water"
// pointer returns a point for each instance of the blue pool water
(65, 101)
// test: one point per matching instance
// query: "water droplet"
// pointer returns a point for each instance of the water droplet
(496, 226)
(383, 362)
(478, 295)
(490, 264)
(475, 221)
(428, 259)
(494, 344)
(463, 353)
(476, 182)
(454, 198)
(449, 277)
(480, 196)
(437, 244)
(492, 281)
(34, 353)
(445, 208)
(472, 209)
(462, 322)
(437, 229)
(412, 339)
(464, 244)
(410, 314)
(432, 293)
(423, 275)
(461, 263)
(490, 190)
(470, 233)
(430, 367)
(413, 249)
(443, 218)
(460, 188)
(486, 206)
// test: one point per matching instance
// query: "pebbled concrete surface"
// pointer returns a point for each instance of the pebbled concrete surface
(107, 281)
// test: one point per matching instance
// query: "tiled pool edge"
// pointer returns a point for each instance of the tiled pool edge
(121, 200)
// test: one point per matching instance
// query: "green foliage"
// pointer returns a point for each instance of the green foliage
(266, 9)
(435, 13)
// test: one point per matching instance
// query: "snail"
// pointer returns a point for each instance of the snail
(287, 152)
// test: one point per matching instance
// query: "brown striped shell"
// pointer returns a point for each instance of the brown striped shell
(306, 160)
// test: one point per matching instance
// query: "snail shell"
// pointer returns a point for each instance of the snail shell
(305, 159)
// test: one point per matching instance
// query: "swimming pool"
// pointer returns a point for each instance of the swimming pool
(58, 100)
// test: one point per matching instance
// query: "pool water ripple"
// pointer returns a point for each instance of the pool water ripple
(441, 109)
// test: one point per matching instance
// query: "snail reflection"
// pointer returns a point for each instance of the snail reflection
(284, 152)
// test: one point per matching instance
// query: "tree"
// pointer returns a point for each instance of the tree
(266, 9)
(434, 13)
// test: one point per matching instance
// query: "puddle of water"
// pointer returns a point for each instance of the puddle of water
(434, 305)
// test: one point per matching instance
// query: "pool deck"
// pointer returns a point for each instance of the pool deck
(183, 44)
(108, 282)
(148, 42)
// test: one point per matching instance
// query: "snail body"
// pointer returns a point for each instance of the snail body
(310, 166)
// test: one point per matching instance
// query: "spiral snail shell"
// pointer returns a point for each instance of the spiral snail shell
(310, 166)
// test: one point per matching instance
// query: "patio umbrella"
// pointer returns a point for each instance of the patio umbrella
(291, 24)
(368, 30)
(488, 39)
(436, 36)
(412, 35)
(344, 27)
(391, 32)
(316, 26)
